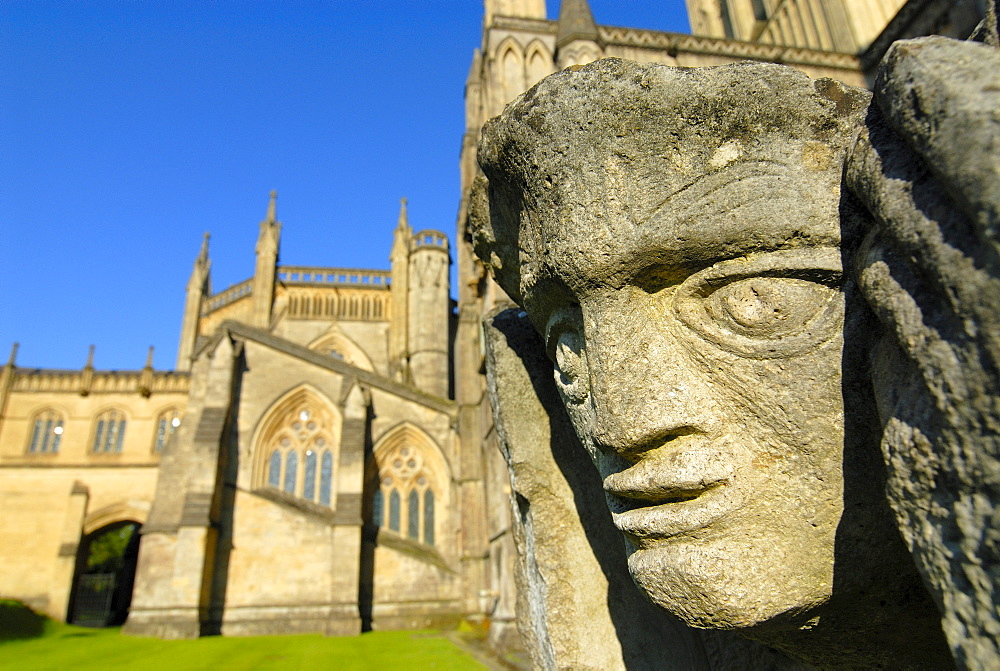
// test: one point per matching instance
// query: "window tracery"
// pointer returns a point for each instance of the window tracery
(46, 432)
(297, 450)
(406, 481)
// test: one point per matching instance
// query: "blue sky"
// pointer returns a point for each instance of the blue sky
(129, 128)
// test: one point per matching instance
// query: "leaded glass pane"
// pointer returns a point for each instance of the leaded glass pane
(326, 478)
(429, 517)
(377, 504)
(36, 435)
(274, 470)
(99, 436)
(110, 435)
(47, 435)
(413, 516)
(57, 437)
(309, 483)
(120, 437)
(161, 433)
(394, 510)
(291, 471)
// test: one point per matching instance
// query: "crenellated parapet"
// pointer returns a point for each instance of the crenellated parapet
(99, 382)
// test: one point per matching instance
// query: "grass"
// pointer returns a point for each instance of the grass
(29, 641)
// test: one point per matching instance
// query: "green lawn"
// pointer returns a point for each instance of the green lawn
(53, 645)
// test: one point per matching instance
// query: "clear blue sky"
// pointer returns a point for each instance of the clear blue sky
(128, 128)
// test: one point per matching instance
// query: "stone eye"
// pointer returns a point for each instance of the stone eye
(566, 347)
(767, 307)
(571, 366)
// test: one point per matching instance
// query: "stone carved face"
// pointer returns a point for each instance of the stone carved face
(679, 248)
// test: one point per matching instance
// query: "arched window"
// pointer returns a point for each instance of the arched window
(291, 468)
(109, 432)
(295, 448)
(309, 477)
(166, 424)
(394, 510)
(325, 478)
(46, 432)
(405, 479)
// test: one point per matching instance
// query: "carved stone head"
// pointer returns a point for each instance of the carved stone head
(678, 236)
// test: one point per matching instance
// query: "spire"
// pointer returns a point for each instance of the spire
(401, 238)
(270, 229)
(90, 358)
(13, 354)
(576, 22)
(404, 219)
(266, 266)
(272, 208)
(149, 358)
(203, 254)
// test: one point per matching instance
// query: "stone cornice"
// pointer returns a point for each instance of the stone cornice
(677, 43)
(367, 378)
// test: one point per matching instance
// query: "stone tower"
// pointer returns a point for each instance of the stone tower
(428, 312)
(577, 42)
(525, 9)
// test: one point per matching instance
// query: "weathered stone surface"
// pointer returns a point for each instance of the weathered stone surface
(682, 241)
(579, 608)
(927, 166)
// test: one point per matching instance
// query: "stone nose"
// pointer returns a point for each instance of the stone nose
(646, 386)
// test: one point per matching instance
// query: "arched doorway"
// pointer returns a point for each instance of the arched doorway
(105, 573)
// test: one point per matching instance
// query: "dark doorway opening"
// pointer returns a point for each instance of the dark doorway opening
(105, 573)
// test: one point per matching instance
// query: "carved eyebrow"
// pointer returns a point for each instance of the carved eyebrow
(701, 197)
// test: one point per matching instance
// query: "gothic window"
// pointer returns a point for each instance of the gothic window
(727, 20)
(405, 480)
(759, 10)
(166, 424)
(109, 432)
(46, 432)
(295, 449)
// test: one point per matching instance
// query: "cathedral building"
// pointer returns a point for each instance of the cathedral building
(323, 457)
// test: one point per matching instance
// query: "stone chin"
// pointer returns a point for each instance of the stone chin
(708, 585)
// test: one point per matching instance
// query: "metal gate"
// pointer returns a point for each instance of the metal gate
(94, 594)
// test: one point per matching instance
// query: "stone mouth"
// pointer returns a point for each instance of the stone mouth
(635, 500)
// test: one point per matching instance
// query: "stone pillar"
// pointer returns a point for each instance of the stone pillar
(69, 546)
(177, 552)
(345, 617)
